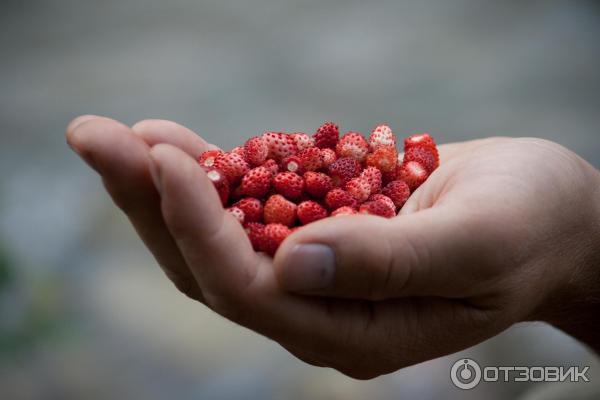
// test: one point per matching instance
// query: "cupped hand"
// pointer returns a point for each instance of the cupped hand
(505, 230)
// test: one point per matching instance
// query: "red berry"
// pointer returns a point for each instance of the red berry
(387, 177)
(359, 188)
(382, 136)
(352, 145)
(252, 208)
(317, 184)
(272, 166)
(337, 198)
(232, 165)
(344, 169)
(309, 211)
(279, 210)
(398, 191)
(219, 181)
(311, 159)
(374, 177)
(344, 211)
(378, 207)
(292, 164)
(328, 157)
(273, 235)
(207, 159)
(280, 145)
(237, 213)
(256, 234)
(327, 135)
(413, 173)
(289, 184)
(256, 151)
(257, 182)
(382, 197)
(384, 158)
(420, 139)
(303, 141)
(240, 151)
(426, 156)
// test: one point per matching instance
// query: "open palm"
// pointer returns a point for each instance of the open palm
(467, 257)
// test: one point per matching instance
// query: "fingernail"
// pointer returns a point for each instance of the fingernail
(309, 267)
(155, 176)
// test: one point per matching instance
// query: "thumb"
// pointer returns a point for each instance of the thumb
(428, 253)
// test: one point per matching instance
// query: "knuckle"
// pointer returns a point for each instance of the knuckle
(398, 258)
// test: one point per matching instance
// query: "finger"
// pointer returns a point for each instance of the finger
(428, 253)
(213, 242)
(156, 131)
(123, 161)
(237, 282)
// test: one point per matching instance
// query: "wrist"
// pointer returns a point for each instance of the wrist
(574, 306)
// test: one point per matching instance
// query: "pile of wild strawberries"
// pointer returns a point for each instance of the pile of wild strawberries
(277, 182)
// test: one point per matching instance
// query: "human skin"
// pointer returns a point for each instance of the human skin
(504, 231)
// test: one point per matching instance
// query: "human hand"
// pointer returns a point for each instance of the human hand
(506, 230)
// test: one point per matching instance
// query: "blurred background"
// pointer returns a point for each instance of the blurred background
(84, 310)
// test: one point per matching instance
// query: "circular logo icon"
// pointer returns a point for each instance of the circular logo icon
(465, 374)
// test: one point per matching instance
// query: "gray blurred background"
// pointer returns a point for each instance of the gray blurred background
(85, 311)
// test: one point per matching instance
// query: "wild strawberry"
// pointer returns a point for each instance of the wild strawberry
(219, 182)
(280, 145)
(359, 188)
(327, 135)
(337, 198)
(413, 173)
(207, 159)
(384, 158)
(382, 136)
(311, 159)
(317, 184)
(256, 234)
(239, 150)
(235, 193)
(292, 164)
(237, 213)
(252, 208)
(352, 145)
(272, 166)
(279, 210)
(309, 211)
(289, 184)
(256, 151)
(232, 165)
(374, 177)
(328, 157)
(303, 141)
(426, 156)
(344, 169)
(387, 177)
(398, 191)
(273, 235)
(420, 139)
(346, 210)
(378, 207)
(382, 197)
(257, 182)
